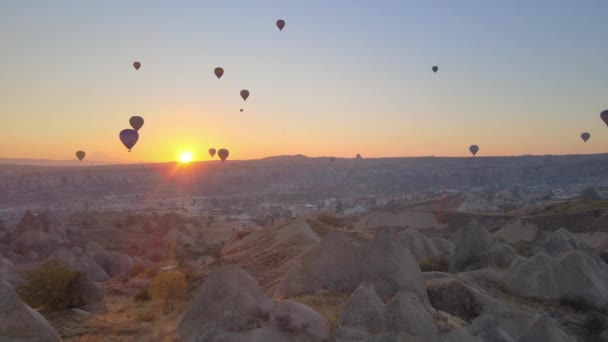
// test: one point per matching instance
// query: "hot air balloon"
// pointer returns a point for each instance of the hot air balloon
(585, 136)
(244, 94)
(280, 24)
(218, 72)
(212, 152)
(435, 68)
(223, 153)
(474, 149)
(136, 65)
(604, 116)
(129, 138)
(358, 156)
(80, 155)
(241, 110)
(136, 122)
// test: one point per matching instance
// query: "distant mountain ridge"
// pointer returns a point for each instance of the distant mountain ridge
(92, 158)
(53, 162)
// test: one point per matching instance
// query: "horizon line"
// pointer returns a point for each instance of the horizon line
(5, 161)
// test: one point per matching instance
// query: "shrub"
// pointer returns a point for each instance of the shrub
(433, 265)
(151, 273)
(455, 299)
(137, 270)
(330, 219)
(142, 296)
(501, 239)
(522, 248)
(186, 269)
(595, 323)
(52, 287)
(167, 286)
(604, 256)
(145, 316)
(577, 304)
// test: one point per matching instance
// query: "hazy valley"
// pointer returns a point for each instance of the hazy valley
(304, 249)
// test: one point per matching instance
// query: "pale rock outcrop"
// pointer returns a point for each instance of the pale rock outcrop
(230, 306)
(19, 322)
(338, 264)
(366, 318)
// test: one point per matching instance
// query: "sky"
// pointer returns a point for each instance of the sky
(343, 77)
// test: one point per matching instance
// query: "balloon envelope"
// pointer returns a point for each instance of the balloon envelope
(474, 149)
(585, 136)
(80, 155)
(129, 138)
(435, 68)
(223, 154)
(212, 152)
(604, 116)
(244, 94)
(280, 24)
(218, 72)
(136, 65)
(136, 122)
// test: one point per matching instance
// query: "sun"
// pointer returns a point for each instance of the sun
(185, 157)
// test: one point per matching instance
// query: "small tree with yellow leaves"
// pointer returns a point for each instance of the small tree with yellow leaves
(167, 286)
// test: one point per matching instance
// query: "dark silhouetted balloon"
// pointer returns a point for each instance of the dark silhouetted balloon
(212, 152)
(604, 116)
(435, 68)
(223, 154)
(136, 122)
(585, 136)
(358, 156)
(241, 110)
(244, 94)
(280, 24)
(129, 138)
(80, 155)
(218, 72)
(474, 149)
(136, 65)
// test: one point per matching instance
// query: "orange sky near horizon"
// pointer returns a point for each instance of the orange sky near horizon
(337, 81)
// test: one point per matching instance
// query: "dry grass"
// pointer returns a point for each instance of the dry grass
(125, 320)
(328, 305)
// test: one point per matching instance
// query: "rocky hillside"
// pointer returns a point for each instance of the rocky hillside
(481, 278)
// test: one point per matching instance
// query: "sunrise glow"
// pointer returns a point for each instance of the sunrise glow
(185, 157)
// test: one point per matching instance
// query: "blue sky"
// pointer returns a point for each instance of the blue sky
(343, 77)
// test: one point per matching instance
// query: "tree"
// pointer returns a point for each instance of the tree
(167, 286)
(52, 287)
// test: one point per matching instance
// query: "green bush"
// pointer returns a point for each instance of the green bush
(51, 287)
